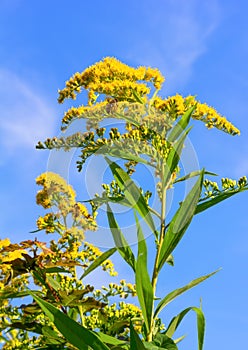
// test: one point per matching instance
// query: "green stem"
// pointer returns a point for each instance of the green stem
(80, 309)
(159, 246)
(154, 212)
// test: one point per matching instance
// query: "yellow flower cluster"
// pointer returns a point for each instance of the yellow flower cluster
(13, 255)
(174, 105)
(53, 186)
(177, 105)
(10, 252)
(112, 78)
(56, 192)
(4, 243)
(78, 112)
(91, 252)
(46, 222)
(212, 118)
(109, 319)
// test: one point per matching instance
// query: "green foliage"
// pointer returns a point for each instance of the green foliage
(61, 311)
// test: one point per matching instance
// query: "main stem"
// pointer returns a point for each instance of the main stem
(159, 246)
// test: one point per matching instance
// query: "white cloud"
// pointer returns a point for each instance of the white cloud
(25, 116)
(177, 34)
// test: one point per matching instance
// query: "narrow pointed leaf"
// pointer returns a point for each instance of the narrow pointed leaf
(99, 261)
(161, 342)
(175, 293)
(56, 270)
(74, 333)
(200, 324)
(105, 338)
(143, 284)
(192, 174)
(137, 96)
(135, 341)
(177, 130)
(180, 222)
(53, 283)
(219, 198)
(119, 151)
(119, 239)
(131, 192)
(13, 295)
(127, 118)
(173, 158)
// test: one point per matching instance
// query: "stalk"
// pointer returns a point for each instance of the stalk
(159, 246)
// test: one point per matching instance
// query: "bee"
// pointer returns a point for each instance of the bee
(111, 106)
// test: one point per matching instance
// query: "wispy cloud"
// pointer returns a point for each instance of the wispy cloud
(25, 116)
(177, 35)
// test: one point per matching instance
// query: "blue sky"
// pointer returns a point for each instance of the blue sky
(201, 48)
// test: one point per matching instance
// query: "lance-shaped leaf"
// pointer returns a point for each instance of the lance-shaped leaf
(13, 295)
(110, 340)
(200, 324)
(180, 222)
(132, 193)
(98, 261)
(74, 333)
(175, 293)
(173, 158)
(193, 174)
(34, 327)
(119, 151)
(119, 239)
(161, 342)
(217, 199)
(135, 341)
(143, 284)
(177, 130)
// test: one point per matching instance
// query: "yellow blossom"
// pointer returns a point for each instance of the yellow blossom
(10, 256)
(4, 243)
(46, 222)
(177, 105)
(113, 78)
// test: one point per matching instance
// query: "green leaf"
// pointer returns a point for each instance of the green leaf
(52, 337)
(14, 295)
(119, 151)
(132, 193)
(54, 284)
(192, 174)
(180, 222)
(177, 130)
(219, 198)
(170, 260)
(127, 118)
(200, 324)
(173, 158)
(34, 327)
(137, 96)
(74, 333)
(175, 293)
(119, 239)
(135, 341)
(143, 284)
(161, 342)
(110, 340)
(98, 261)
(178, 340)
(56, 270)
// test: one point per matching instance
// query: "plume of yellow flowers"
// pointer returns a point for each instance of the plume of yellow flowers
(57, 193)
(116, 82)
(112, 78)
(178, 105)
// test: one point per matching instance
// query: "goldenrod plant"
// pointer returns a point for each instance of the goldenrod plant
(59, 310)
